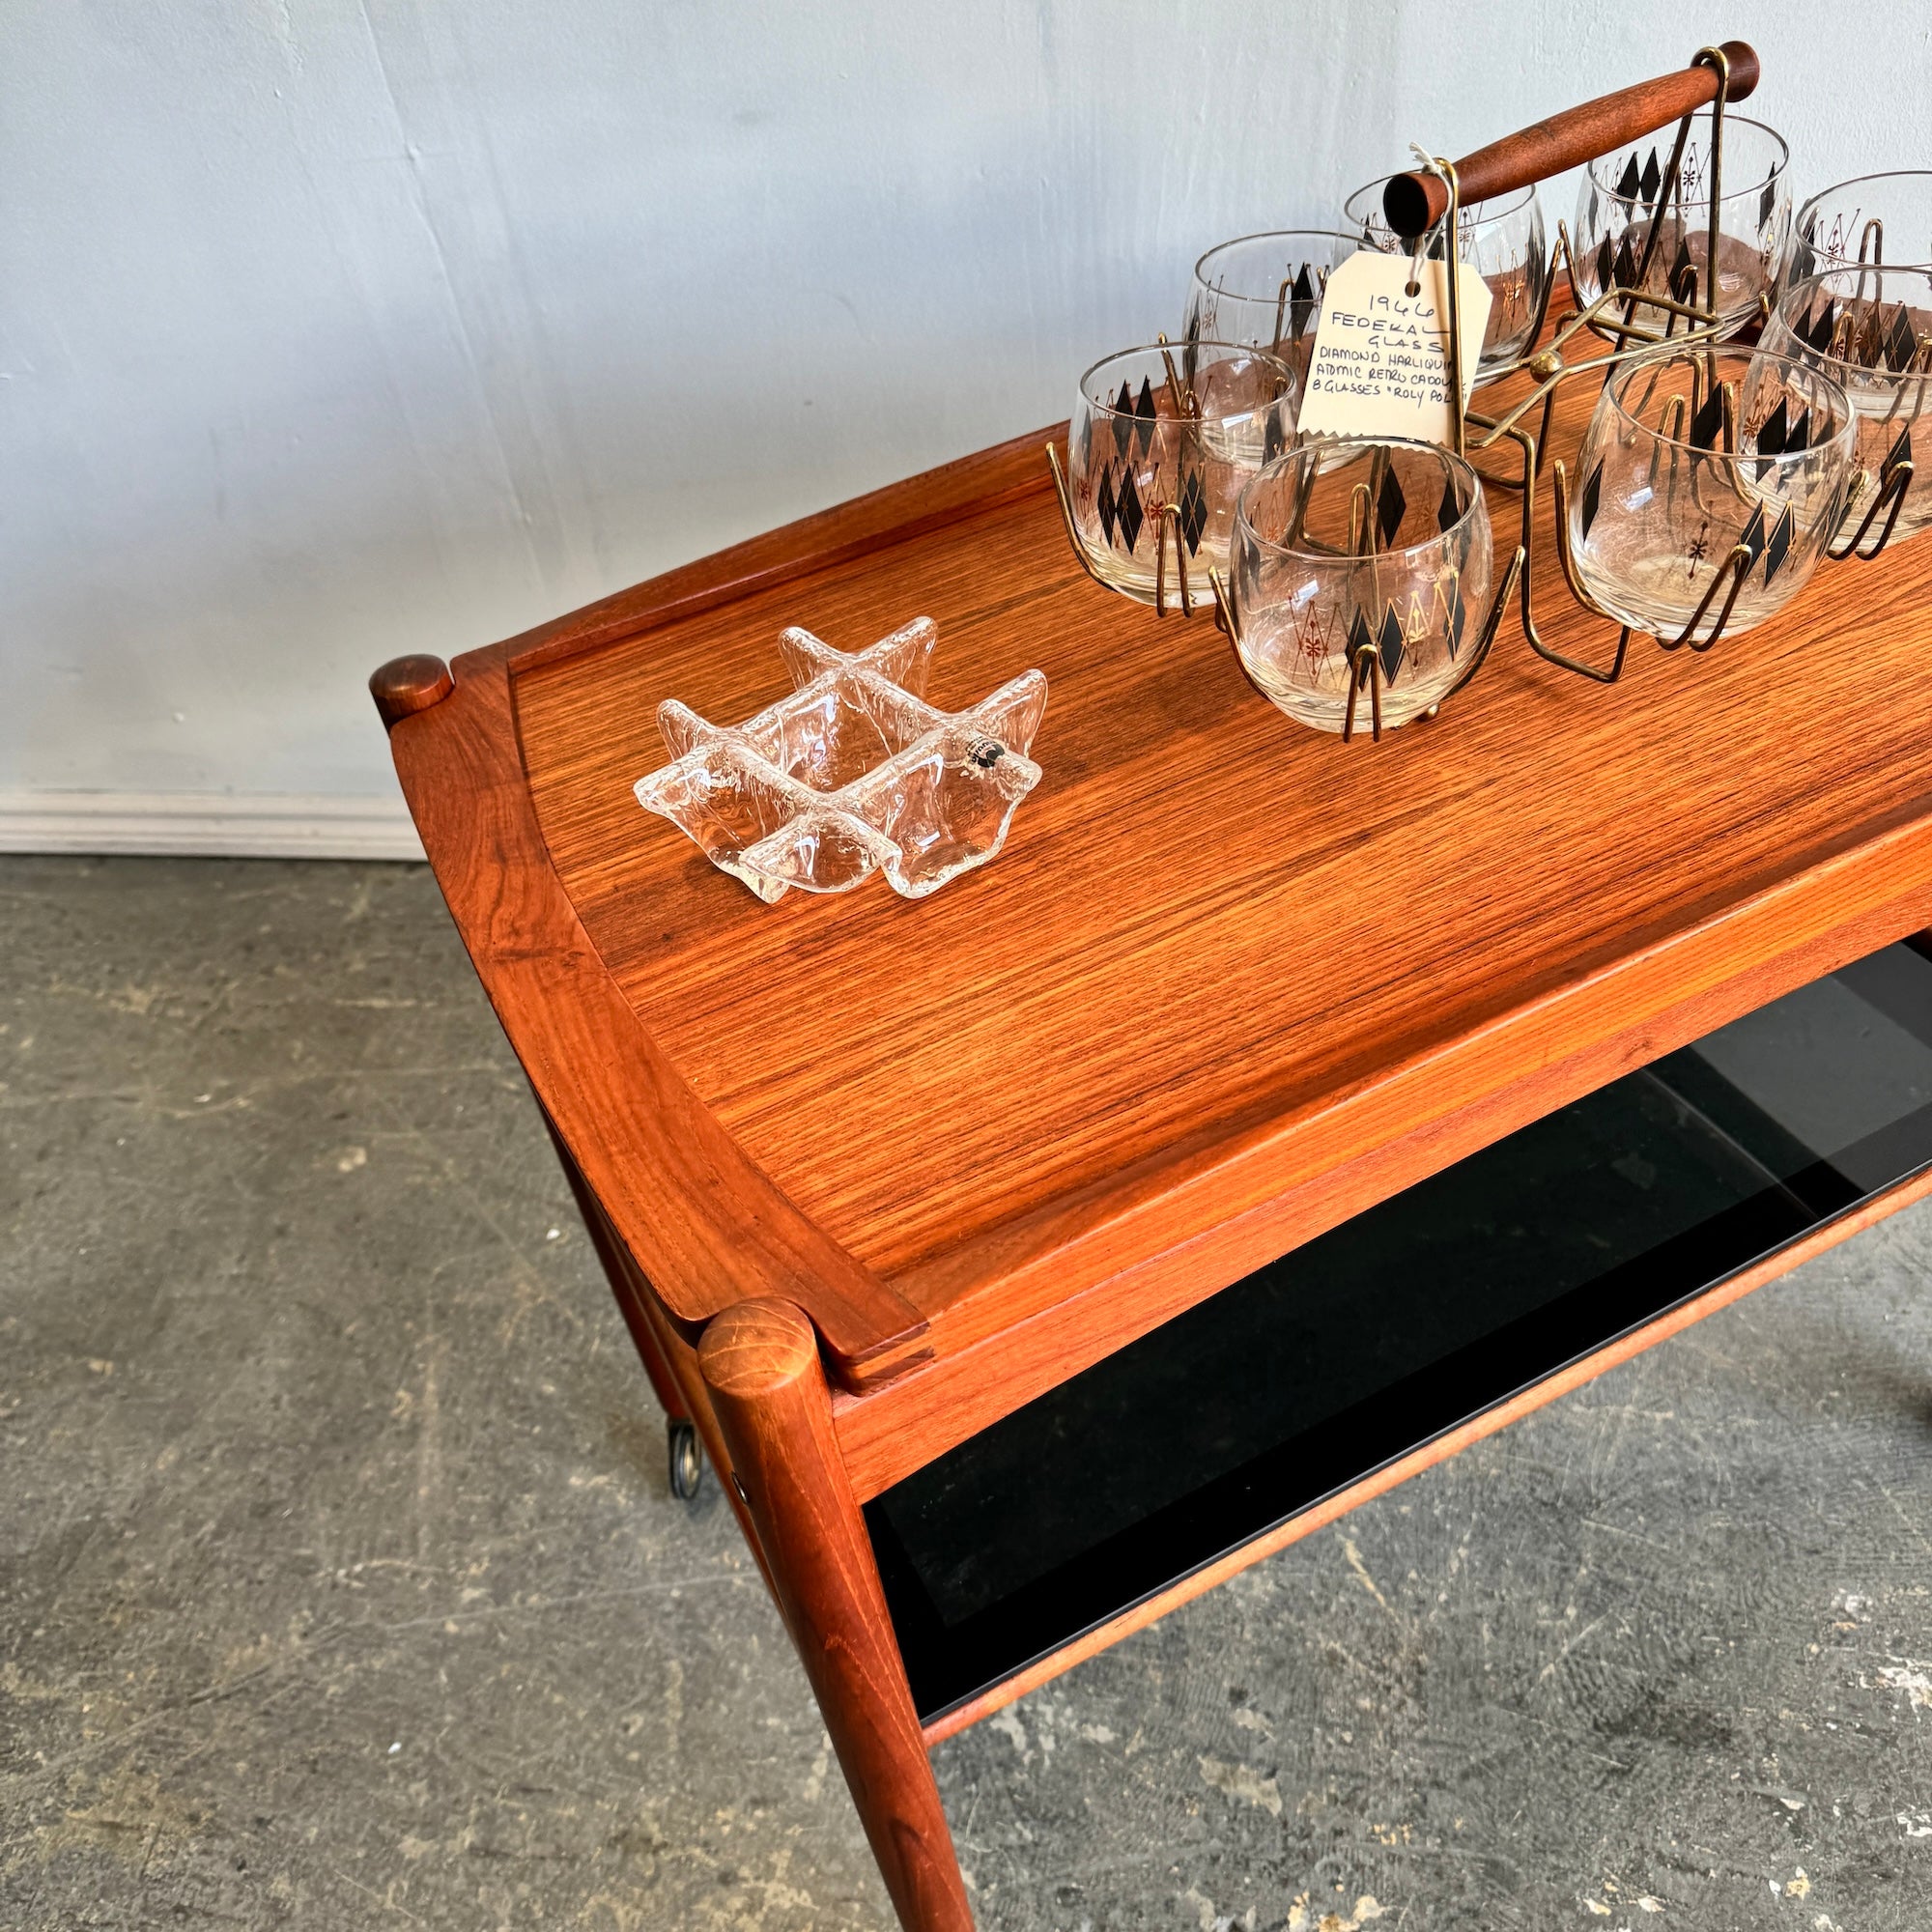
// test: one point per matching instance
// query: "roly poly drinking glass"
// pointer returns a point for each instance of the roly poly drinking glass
(1883, 218)
(1870, 331)
(1162, 441)
(1501, 238)
(1693, 456)
(1631, 235)
(1360, 578)
(1267, 290)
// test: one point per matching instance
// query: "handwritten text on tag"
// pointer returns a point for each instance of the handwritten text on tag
(1380, 361)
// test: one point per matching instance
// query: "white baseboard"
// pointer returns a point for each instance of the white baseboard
(208, 824)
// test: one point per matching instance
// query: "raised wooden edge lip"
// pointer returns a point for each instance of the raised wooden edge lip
(1063, 1308)
(407, 685)
(896, 513)
(1084, 1233)
(703, 1222)
(1044, 1235)
(1559, 1382)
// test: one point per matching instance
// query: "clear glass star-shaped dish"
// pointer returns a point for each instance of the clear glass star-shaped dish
(853, 773)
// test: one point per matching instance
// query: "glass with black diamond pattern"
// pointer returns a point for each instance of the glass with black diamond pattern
(1637, 228)
(1502, 240)
(1267, 290)
(1879, 218)
(1690, 455)
(1349, 547)
(1162, 441)
(1870, 331)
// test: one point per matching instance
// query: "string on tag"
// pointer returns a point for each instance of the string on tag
(1452, 282)
(1427, 163)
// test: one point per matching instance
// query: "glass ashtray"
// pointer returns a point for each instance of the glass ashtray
(853, 773)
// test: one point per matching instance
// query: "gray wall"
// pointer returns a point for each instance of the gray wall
(331, 331)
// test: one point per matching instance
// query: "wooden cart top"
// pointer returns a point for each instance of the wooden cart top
(1229, 981)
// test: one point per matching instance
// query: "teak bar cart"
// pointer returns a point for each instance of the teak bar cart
(1271, 1119)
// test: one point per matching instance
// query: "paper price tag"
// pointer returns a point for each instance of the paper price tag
(1381, 364)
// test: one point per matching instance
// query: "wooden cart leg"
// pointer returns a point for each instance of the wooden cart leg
(760, 1363)
(685, 1466)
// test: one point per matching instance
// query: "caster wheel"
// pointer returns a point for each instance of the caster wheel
(686, 1460)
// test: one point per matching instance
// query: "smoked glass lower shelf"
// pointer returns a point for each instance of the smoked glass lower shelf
(1404, 1323)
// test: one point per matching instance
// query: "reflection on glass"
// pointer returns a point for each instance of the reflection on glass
(1349, 547)
(1688, 456)
(1870, 331)
(1637, 230)
(1266, 290)
(1162, 441)
(1502, 240)
(1876, 218)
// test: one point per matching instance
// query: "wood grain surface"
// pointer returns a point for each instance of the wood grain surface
(981, 1370)
(707, 1228)
(630, 1294)
(1231, 979)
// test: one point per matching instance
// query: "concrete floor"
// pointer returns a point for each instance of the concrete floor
(340, 1585)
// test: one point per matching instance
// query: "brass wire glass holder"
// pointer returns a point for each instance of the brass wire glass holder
(1317, 614)
(1365, 665)
(1633, 322)
(1672, 183)
(1612, 315)
(1213, 435)
(1894, 480)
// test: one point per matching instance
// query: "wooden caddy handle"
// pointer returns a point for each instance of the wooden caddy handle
(1416, 201)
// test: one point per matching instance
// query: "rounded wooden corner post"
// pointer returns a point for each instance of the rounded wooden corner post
(408, 685)
(760, 1364)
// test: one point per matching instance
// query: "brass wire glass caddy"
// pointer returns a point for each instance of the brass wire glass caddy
(1712, 479)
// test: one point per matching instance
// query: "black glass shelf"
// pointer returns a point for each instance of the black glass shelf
(1404, 1323)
